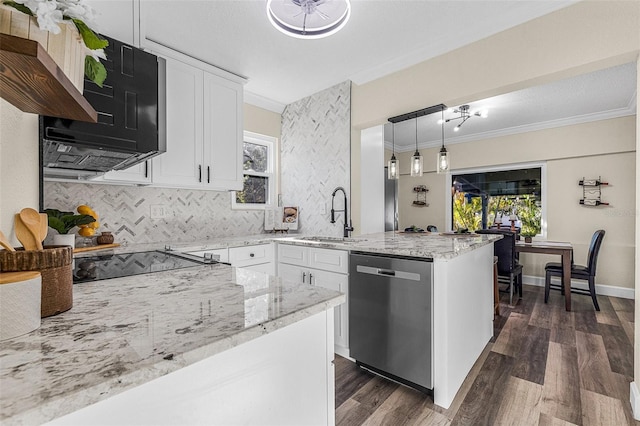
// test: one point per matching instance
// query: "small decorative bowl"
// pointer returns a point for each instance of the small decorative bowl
(105, 238)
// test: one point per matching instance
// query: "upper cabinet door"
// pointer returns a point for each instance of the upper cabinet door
(118, 20)
(222, 133)
(182, 164)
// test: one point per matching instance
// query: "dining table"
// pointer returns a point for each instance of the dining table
(564, 249)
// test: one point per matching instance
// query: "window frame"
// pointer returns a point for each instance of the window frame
(270, 142)
(515, 166)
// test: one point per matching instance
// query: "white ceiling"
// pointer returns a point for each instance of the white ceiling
(381, 37)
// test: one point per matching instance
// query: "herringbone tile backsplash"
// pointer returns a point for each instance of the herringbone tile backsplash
(316, 148)
(125, 211)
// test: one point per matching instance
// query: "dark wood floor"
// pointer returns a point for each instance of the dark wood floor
(544, 366)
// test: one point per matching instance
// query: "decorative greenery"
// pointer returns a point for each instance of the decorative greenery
(467, 215)
(63, 222)
(530, 215)
(50, 13)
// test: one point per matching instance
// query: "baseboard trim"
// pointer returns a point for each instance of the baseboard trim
(342, 351)
(605, 290)
(635, 400)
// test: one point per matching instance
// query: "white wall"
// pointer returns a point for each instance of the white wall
(372, 181)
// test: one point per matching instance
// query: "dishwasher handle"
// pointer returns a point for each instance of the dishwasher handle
(383, 272)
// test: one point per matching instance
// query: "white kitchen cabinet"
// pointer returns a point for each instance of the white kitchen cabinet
(181, 164)
(286, 377)
(204, 126)
(259, 257)
(325, 268)
(120, 22)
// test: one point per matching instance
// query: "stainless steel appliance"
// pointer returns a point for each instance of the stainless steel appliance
(131, 118)
(391, 317)
(105, 266)
(390, 203)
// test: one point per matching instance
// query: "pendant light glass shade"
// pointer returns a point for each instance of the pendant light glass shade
(393, 167)
(443, 163)
(443, 160)
(416, 160)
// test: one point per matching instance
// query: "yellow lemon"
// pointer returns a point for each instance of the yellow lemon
(94, 225)
(84, 209)
(86, 232)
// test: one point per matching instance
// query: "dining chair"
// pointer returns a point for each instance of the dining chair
(509, 270)
(578, 272)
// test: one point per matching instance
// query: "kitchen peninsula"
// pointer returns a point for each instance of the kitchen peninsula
(176, 340)
(177, 347)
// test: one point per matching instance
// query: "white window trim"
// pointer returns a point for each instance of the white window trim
(271, 143)
(543, 182)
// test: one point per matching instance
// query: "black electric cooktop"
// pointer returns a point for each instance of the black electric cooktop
(102, 267)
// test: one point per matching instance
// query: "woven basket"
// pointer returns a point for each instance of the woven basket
(66, 48)
(55, 265)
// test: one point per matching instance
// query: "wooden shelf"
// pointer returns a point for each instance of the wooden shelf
(31, 81)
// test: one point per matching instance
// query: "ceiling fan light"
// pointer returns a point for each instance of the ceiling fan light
(455, 129)
(306, 19)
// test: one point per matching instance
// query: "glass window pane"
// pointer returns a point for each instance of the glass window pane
(255, 190)
(255, 157)
(491, 199)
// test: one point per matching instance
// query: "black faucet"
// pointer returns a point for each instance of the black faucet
(348, 226)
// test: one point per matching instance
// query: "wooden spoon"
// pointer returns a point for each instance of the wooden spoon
(44, 226)
(25, 236)
(31, 219)
(5, 243)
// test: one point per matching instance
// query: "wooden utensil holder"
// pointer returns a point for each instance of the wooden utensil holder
(55, 265)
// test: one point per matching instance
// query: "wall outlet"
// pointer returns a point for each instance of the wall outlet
(158, 211)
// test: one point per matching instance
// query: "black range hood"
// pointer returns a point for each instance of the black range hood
(131, 119)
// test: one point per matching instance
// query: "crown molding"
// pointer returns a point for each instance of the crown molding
(262, 102)
(569, 121)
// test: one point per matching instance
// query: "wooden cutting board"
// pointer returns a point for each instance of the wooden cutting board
(93, 248)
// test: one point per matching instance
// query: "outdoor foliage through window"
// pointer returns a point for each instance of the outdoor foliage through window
(482, 200)
(256, 179)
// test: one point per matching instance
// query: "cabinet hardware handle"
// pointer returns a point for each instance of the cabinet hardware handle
(251, 255)
(310, 278)
(208, 174)
(199, 172)
(146, 169)
(304, 275)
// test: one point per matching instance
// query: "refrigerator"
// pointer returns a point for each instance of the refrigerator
(390, 203)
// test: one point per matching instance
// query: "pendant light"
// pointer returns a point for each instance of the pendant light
(416, 160)
(443, 156)
(393, 168)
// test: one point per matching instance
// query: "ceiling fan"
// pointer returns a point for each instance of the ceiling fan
(308, 18)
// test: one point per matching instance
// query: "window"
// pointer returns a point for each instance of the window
(259, 177)
(485, 198)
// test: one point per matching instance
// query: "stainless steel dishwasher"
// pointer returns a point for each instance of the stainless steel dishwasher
(391, 317)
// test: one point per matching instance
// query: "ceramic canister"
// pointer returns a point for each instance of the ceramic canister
(20, 294)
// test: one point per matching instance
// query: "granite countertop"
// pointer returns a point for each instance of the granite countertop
(124, 332)
(441, 246)
(427, 245)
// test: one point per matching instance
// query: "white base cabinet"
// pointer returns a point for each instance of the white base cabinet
(259, 257)
(325, 268)
(282, 378)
